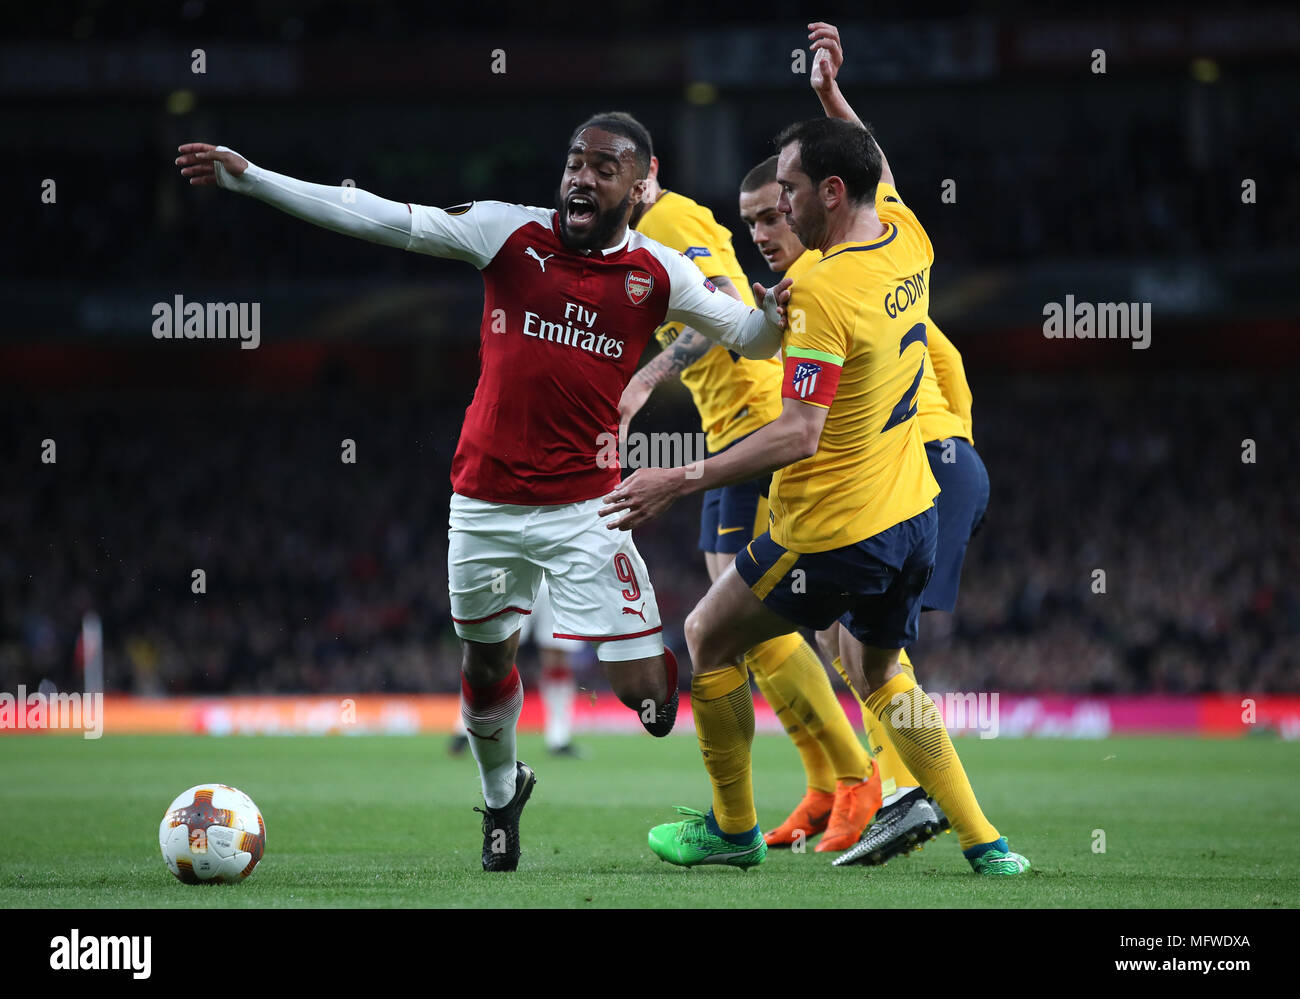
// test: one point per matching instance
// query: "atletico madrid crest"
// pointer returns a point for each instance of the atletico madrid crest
(805, 378)
(638, 284)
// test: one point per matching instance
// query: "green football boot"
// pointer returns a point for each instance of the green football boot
(997, 859)
(697, 840)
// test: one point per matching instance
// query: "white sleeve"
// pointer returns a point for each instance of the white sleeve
(693, 300)
(474, 232)
(341, 209)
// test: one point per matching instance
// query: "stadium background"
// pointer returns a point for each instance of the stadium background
(326, 578)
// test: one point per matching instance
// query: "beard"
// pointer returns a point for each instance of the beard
(603, 226)
(811, 229)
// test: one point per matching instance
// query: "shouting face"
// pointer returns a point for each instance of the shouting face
(598, 190)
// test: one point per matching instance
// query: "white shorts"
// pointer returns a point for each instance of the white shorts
(499, 553)
(539, 626)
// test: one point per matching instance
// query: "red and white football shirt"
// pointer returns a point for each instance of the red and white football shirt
(562, 333)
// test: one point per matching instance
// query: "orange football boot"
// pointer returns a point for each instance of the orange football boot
(810, 817)
(856, 804)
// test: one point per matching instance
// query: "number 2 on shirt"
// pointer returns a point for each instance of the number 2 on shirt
(906, 409)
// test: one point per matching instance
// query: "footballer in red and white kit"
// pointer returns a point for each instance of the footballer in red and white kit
(572, 296)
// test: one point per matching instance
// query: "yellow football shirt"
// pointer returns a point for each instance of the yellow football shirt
(800, 266)
(734, 395)
(856, 344)
(950, 373)
(944, 402)
(939, 420)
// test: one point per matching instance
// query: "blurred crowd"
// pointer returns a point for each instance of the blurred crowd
(320, 575)
(1135, 184)
(1128, 547)
(1106, 180)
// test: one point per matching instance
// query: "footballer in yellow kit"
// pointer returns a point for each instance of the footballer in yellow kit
(944, 413)
(943, 401)
(853, 524)
(735, 396)
(866, 561)
(907, 817)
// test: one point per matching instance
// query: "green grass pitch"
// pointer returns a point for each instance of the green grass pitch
(380, 821)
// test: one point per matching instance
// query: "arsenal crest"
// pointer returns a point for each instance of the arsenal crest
(637, 284)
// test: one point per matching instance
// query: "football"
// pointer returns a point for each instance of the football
(212, 834)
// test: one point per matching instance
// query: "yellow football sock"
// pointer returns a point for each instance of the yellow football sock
(724, 724)
(795, 673)
(816, 767)
(882, 748)
(916, 729)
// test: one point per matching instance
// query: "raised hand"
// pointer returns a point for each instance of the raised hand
(196, 161)
(828, 55)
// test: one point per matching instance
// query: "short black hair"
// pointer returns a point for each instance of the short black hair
(622, 123)
(832, 147)
(760, 176)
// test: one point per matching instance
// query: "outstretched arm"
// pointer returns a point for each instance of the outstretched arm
(340, 209)
(828, 57)
(648, 492)
(472, 232)
(695, 302)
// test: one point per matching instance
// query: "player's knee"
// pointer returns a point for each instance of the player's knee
(697, 634)
(485, 664)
